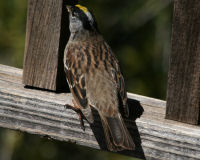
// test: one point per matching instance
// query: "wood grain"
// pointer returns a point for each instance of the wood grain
(183, 96)
(46, 36)
(43, 113)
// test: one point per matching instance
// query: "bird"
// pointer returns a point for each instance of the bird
(94, 78)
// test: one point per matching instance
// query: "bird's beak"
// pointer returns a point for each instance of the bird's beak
(69, 8)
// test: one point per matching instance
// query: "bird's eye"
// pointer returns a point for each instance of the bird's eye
(74, 14)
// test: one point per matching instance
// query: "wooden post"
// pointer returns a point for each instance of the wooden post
(46, 37)
(183, 95)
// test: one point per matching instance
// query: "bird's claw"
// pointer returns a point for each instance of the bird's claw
(78, 111)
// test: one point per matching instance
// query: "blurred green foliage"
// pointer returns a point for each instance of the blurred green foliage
(138, 32)
(12, 31)
(21, 146)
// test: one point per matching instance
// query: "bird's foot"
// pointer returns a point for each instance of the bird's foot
(77, 109)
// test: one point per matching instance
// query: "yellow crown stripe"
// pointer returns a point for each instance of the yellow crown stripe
(84, 9)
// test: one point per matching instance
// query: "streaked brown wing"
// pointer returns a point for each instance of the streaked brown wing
(117, 78)
(123, 93)
(77, 87)
(76, 79)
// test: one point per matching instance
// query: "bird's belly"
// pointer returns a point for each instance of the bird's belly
(102, 94)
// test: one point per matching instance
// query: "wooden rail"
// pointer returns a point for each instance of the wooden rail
(43, 113)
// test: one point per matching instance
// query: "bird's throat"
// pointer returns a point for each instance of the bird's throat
(83, 35)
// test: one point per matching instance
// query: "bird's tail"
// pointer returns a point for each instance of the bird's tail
(117, 136)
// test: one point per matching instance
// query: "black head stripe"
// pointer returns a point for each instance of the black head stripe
(94, 21)
(87, 24)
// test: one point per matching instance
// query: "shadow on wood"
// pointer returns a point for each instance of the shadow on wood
(61, 84)
(136, 111)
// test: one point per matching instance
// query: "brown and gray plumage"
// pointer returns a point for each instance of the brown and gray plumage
(94, 78)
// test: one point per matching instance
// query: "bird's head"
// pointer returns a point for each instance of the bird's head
(81, 19)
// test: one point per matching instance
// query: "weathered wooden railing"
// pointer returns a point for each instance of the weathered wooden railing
(42, 111)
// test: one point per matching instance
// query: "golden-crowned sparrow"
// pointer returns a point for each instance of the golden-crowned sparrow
(94, 78)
